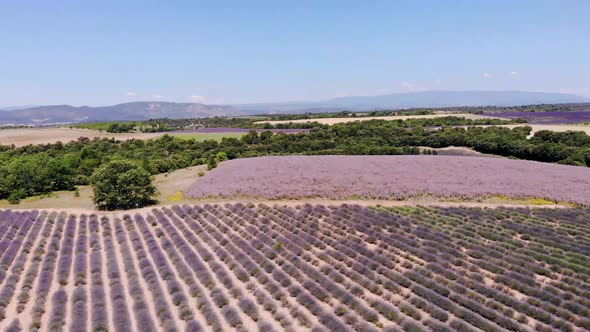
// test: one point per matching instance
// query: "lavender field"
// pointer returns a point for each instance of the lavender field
(237, 130)
(310, 267)
(546, 117)
(392, 177)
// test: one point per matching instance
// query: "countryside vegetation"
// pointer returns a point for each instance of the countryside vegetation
(40, 169)
(296, 264)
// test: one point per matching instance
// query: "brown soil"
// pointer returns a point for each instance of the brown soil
(331, 121)
(26, 136)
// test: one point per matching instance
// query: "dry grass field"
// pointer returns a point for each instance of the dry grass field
(46, 135)
(331, 121)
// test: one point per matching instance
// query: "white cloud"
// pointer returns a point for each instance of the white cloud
(197, 99)
(513, 73)
(487, 75)
(131, 94)
(156, 96)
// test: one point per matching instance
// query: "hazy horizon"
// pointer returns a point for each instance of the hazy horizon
(19, 107)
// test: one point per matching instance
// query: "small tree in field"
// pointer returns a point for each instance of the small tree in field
(121, 184)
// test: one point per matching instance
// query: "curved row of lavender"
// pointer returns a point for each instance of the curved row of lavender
(238, 267)
(392, 177)
(238, 130)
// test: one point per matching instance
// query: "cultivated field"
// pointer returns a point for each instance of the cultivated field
(331, 121)
(224, 130)
(26, 136)
(393, 177)
(547, 118)
(250, 268)
(219, 133)
(560, 128)
(199, 137)
(556, 128)
(46, 135)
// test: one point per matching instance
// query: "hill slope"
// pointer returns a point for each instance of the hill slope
(128, 111)
(59, 114)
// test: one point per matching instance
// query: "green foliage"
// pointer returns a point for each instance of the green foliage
(220, 156)
(122, 184)
(28, 175)
(121, 127)
(111, 127)
(16, 196)
(41, 169)
(211, 162)
(278, 246)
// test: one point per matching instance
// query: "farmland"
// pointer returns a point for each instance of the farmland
(547, 118)
(260, 267)
(392, 177)
(217, 134)
(47, 135)
(558, 128)
(200, 137)
(332, 121)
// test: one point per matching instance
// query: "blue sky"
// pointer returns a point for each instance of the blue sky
(106, 52)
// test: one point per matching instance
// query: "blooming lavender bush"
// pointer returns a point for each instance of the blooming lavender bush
(392, 177)
(308, 267)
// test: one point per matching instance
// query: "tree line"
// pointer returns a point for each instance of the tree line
(40, 169)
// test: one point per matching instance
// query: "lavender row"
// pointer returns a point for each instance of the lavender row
(120, 312)
(47, 272)
(79, 302)
(9, 288)
(306, 267)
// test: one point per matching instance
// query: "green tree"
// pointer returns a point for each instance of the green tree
(251, 137)
(266, 136)
(122, 184)
(211, 162)
(220, 156)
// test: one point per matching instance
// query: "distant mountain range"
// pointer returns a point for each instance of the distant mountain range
(62, 114)
(424, 99)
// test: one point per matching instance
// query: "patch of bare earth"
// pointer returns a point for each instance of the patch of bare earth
(46, 135)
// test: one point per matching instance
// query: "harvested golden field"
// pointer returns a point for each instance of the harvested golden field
(331, 121)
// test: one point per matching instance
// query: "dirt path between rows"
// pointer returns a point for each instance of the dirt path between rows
(365, 203)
